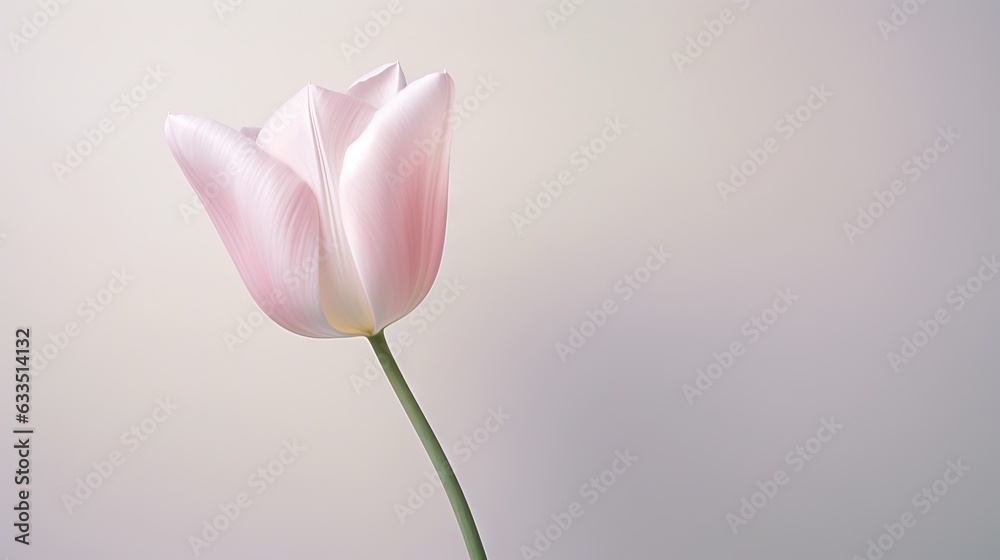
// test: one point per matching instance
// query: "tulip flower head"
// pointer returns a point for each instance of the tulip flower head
(334, 213)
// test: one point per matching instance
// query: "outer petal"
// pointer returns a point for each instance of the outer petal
(394, 196)
(380, 85)
(266, 215)
(311, 137)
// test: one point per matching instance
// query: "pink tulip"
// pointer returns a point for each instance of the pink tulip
(334, 213)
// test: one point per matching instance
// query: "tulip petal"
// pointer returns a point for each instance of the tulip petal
(380, 85)
(394, 196)
(266, 215)
(312, 137)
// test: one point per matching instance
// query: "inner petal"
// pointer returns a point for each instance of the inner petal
(311, 133)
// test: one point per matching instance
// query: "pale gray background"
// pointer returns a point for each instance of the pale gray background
(495, 346)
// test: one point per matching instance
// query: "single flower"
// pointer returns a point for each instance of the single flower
(334, 214)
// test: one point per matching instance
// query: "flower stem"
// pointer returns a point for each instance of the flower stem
(451, 486)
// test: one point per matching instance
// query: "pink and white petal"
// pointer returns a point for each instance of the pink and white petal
(266, 215)
(394, 196)
(380, 85)
(250, 132)
(311, 137)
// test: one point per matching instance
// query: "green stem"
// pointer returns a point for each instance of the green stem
(451, 486)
